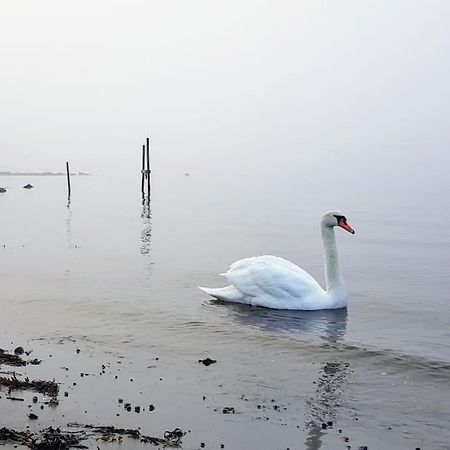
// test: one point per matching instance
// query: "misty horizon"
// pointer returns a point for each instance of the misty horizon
(250, 87)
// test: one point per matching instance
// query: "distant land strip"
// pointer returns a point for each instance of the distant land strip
(42, 174)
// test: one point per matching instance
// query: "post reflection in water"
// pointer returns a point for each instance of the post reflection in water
(146, 234)
(323, 405)
(69, 240)
(328, 325)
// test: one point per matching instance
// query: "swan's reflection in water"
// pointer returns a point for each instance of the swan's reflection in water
(330, 327)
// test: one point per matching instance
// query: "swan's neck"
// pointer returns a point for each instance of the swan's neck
(333, 277)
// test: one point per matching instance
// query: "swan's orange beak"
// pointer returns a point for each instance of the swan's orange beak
(343, 224)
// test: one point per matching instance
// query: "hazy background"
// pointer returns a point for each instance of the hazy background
(345, 92)
(279, 110)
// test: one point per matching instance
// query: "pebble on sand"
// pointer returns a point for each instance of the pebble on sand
(207, 361)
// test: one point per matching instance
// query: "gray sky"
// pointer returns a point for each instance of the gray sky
(226, 85)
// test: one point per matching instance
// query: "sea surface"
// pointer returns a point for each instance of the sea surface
(121, 274)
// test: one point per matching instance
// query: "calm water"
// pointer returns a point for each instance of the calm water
(124, 277)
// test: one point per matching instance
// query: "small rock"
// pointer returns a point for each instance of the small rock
(28, 186)
(2, 190)
(151, 408)
(35, 362)
(228, 410)
(35, 399)
(207, 361)
(137, 409)
(32, 416)
(19, 351)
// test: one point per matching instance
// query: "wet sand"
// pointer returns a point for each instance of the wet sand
(155, 393)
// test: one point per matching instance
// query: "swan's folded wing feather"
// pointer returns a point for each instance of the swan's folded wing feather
(272, 276)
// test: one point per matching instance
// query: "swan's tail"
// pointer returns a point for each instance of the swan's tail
(226, 294)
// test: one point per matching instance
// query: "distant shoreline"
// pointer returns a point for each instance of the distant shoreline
(42, 174)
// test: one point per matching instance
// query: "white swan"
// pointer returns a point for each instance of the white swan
(273, 282)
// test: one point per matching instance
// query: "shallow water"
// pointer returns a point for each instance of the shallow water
(114, 274)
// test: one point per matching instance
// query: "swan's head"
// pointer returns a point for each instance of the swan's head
(336, 219)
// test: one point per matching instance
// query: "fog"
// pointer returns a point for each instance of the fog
(349, 90)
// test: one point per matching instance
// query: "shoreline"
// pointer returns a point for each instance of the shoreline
(100, 387)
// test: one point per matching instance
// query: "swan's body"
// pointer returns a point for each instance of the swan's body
(274, 282)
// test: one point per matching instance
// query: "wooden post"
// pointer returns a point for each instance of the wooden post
(68, 180)
(148, 166)
(143, 169)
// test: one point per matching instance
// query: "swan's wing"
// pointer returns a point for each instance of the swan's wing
(270, 276)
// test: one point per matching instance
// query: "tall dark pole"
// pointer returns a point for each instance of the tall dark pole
(68, 180)
(143, 169)
(148, 166)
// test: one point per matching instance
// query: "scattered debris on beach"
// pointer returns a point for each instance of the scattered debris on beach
(49, 388)
(55, 438)
(49, 438)
(15, 359)
(111, 433)
(11, 359)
